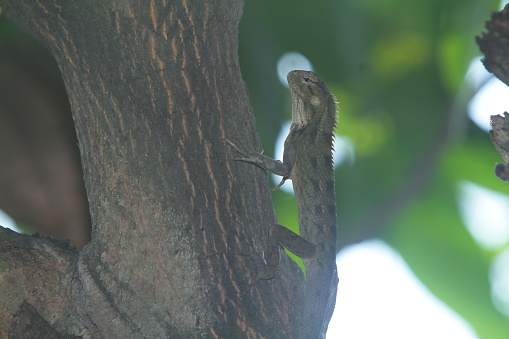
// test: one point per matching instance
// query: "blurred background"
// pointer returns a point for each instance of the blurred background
(423, 220)
(41, 182)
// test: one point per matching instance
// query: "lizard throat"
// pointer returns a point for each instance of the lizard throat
(300, 115)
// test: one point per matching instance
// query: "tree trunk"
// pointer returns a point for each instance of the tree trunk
(155, 88)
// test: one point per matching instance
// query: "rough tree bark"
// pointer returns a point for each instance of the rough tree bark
(154, 88)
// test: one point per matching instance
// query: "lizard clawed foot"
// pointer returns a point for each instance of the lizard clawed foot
(280, 184)
(248, 153)
(256, 158)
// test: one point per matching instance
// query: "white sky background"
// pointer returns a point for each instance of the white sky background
(6, 221)
(379, 297)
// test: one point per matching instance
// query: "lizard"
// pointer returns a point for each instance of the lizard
(307, 161)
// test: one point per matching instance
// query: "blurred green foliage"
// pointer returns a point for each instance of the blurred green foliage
(398, 70)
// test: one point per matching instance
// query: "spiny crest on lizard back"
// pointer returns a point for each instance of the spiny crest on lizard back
(311, 101)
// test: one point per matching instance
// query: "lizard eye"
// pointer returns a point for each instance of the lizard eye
(306, 79)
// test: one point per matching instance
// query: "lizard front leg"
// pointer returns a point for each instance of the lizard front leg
(277, 167)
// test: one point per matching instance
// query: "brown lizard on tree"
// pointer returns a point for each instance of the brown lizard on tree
(307, 160)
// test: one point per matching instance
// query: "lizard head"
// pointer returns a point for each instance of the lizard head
(310, 97)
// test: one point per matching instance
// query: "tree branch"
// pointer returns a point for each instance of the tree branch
(35, 273)
(495, 45)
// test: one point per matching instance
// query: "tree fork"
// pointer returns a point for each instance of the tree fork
(155, 88)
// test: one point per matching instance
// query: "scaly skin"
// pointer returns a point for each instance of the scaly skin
(307, 161)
